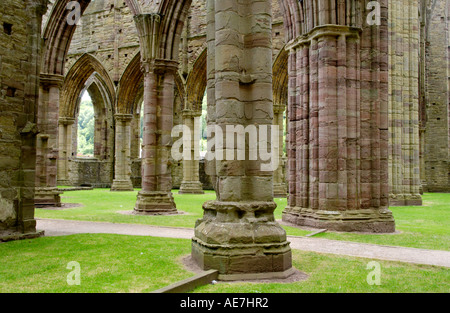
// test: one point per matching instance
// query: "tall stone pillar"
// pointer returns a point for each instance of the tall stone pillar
(122, 170)
(338, 123)
(159, 83)
(47, 192)
(191, 179)
(434, 82)
(19, 101)
(65, 149)
(404, 162)
(238, 234)
(279, 182)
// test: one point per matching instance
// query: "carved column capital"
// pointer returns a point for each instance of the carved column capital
(159, 66)
(123, 117)
(66, 121)
(39, 7)
(51, 80)
(148, 31)
(190, 113)
(279, 108)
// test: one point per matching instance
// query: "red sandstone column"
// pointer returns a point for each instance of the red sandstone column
(47, 141)
(122, 175)
(156, 196)
(159, 83)
(338, 130)
(191, 181)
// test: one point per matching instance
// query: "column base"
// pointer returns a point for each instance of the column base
(241, 240)
(405, 200)
(364, 220)
(64, 182)
(122, 185)
(279, 190)
(155, 203)
(14, 235)
(191, 187)
(47, 196)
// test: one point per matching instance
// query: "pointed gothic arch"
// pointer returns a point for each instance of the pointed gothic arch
(58, 33)
(75, 81)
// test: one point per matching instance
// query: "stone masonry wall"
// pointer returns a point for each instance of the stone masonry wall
(107, 32)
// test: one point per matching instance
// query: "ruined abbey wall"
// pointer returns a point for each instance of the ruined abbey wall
(108, 33)
(19, 77)
(38, 143)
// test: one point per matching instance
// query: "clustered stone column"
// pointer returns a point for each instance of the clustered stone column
(122, 177)
(159, 81)
(338, 123)
(238, 234)
(191, 179)
(435, 93)
(65, 149)
(47, 192)
(404, 166)
(279, 182)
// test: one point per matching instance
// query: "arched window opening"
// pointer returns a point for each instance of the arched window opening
(203, 132)
(86, 127)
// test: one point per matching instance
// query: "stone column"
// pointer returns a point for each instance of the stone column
(404, 162)
(19, 82)
(159, 82)
(338, 126)
(238, 234)
(122, 176)
(47, 192)
(191, 179)
(436, 91)
(65, 149)
(279, 182)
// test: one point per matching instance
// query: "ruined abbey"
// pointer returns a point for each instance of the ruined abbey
(358, 91)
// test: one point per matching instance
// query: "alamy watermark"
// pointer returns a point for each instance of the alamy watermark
(74, 17)
(374, 17)
(74, 277)
(230, 143)
(374, 276)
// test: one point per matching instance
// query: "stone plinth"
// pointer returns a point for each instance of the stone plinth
(47, 196)
(191, 187)
(155, 203)
(241, 241)
(369, 220)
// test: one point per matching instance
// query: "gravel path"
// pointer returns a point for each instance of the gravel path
(409, 255)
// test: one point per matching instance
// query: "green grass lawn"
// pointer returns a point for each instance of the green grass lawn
(116, 263)
(425, 227)
(108, 263)
(333, 274)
